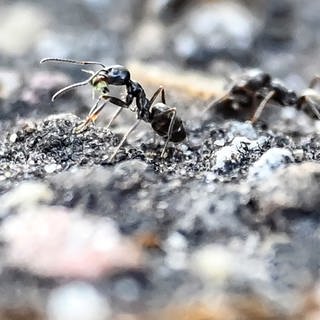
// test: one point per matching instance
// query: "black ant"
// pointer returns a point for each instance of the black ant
(162, 118)
(256, 89)
(309, 98)
(252, 92)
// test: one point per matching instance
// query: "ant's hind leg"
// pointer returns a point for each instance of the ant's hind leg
(173, 111)
(261, 106)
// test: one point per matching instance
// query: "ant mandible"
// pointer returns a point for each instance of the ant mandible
(163, 119)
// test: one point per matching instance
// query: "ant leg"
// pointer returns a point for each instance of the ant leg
(314, 81)
(115, 115)
(173, 111)
(261, 106)
(155, 95)
(215, 102)
(96, 109)
(124, 139)
(313, 107)
(95, 106)
(92, 116)
(163, 96)
(119, 103)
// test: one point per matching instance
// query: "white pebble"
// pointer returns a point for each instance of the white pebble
(235, 151)
(50, 168)
(212, 262)
(13, 138)
(176, 241)
(77, 301)
(270, 161)
(26, 194)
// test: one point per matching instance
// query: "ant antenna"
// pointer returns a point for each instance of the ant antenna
(78, 84)
(75, 85)
(72, 61)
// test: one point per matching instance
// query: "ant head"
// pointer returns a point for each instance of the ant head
(114, 75)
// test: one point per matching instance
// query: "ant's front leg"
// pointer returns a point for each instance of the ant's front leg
(95, 111)
(92, 115)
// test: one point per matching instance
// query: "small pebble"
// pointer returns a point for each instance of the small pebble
(77, 301)
(298, 154)
(26, 194)
(243, 129)
(294, 189)
(212, 262)
(50, 168)
(270, 161)
(13, 138)
(233, 153)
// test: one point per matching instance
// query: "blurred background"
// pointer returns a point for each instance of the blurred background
(214, 36)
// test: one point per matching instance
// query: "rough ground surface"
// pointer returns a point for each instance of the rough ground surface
(226, 226)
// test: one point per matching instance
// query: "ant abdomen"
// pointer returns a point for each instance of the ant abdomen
(162, 119)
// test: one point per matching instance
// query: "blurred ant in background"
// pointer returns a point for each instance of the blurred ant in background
(250, 94)
(163, 119)
(308, 101)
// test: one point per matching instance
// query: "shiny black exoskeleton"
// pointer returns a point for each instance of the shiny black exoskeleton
(162, 118)
(115, 75)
